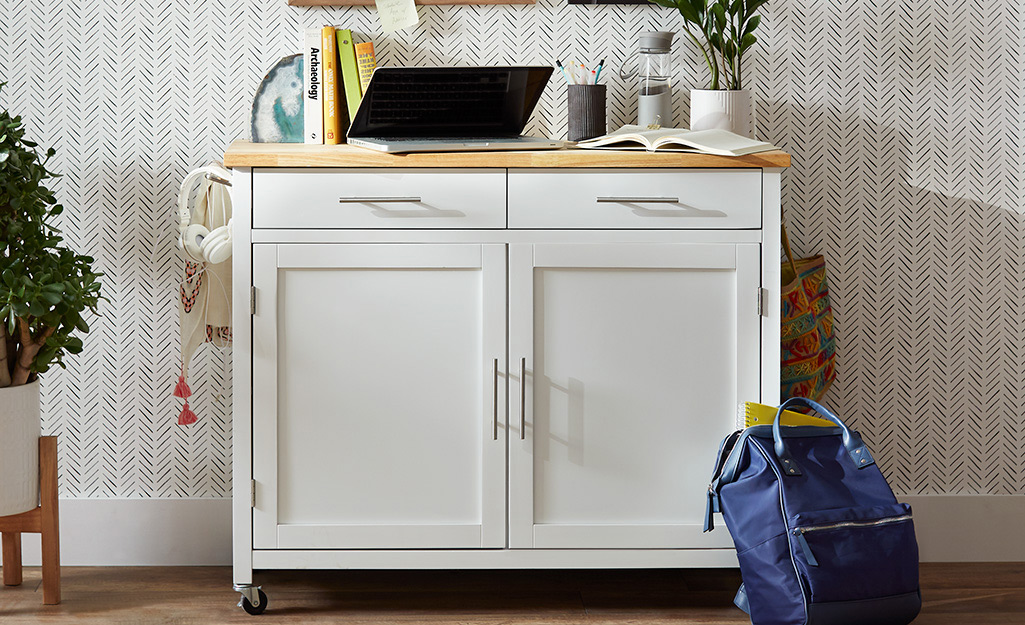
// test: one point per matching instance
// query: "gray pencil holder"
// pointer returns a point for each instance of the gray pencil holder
(586, 111)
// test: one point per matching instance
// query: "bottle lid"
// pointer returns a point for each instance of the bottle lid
(656, 41)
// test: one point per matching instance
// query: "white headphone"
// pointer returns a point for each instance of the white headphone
(200, 244)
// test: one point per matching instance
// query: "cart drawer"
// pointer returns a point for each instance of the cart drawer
(379, 198)
(635, 198)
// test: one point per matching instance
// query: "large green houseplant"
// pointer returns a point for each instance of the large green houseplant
(45, 288)
(723, 31)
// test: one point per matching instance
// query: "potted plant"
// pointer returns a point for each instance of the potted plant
(723, 30)
(44, 290)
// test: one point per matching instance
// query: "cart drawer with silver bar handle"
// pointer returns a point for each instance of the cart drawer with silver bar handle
(379, 198)
(635, 198)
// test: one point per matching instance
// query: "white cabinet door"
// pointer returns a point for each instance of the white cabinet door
(379, 396)
(635, 358)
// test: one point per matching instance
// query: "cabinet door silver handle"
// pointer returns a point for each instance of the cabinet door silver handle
(378, 200)
(523, 398)
(494, 419)
(640, 200)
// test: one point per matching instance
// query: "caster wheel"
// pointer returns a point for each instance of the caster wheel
(255, 609)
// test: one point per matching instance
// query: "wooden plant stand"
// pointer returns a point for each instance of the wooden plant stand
(42, 520)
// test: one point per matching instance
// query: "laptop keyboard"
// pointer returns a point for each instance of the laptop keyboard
(439, 139)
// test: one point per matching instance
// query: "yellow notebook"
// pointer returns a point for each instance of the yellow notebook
(347, 68)
(365, 62)
(329, 87)
(760, 414)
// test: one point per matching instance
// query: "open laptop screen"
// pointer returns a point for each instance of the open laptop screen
(412, 102)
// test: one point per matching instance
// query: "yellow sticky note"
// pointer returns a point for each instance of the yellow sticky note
(397, 14)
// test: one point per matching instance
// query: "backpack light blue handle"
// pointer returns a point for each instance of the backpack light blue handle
(852, 442)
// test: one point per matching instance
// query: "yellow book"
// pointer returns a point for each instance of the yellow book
(365, 63)
(329, 88)
(760, 414)
(347, 69)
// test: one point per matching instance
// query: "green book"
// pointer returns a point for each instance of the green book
(349, 71)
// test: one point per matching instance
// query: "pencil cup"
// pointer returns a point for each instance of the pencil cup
(586, 111)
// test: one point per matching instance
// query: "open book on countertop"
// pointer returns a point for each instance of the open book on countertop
(718, 142)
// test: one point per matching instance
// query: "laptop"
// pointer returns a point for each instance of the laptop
(450, 109)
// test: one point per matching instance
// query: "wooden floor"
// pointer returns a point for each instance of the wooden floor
(961, 594)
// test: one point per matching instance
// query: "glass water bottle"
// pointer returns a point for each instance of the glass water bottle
(654, 68)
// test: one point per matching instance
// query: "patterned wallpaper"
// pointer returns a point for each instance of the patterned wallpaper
(906, 121)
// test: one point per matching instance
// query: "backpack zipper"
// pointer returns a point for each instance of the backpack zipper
(801, 582)
(801, 531)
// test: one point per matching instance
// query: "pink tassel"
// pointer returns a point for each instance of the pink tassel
(181, 389)
(187, 417)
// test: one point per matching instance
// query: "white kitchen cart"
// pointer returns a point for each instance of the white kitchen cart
(492, 360)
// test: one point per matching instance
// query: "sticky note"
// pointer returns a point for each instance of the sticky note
(397, 14)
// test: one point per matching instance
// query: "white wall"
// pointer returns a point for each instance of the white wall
(906, 121)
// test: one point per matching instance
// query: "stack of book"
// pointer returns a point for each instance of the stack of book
(333, 64)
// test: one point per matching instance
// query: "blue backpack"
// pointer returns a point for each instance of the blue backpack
(820, 536)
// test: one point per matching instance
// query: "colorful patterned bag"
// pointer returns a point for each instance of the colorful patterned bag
(808, 345)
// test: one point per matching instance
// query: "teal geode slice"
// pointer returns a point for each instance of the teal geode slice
(278, 105)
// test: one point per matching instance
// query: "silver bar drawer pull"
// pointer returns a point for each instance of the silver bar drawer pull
(640, 200)
(378, 200)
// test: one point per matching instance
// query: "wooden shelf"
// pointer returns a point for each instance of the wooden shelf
(349, 3)
(247, 154)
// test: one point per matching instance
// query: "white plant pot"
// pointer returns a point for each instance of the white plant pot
(19, 448)
(728, 110)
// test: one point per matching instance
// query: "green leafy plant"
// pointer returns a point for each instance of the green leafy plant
(726, 29)
(44, 287)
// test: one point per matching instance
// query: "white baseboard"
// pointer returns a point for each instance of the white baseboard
(969, 528)
(140, 532)
(173, 532)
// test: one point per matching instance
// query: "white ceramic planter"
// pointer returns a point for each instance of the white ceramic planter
(19, 448)
(728, 110)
